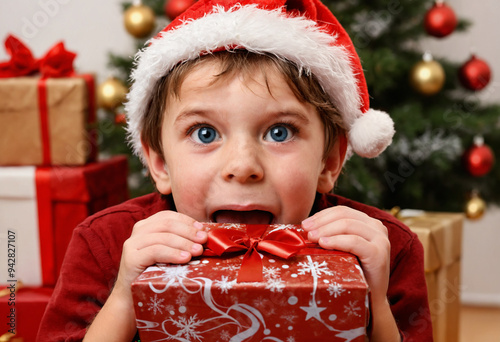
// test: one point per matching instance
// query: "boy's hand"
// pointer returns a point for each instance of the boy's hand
(165, 237)
(345, 229)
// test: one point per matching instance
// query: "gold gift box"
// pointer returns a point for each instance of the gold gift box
(67, 120)
(441, 236)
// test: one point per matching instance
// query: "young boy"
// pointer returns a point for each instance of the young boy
(243, 111)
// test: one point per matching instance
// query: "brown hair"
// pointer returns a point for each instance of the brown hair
(304, 85)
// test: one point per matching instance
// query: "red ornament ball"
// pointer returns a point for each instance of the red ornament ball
(440, 20)
(475, 74)
(175, 7)
(479, 160)
(120, 119)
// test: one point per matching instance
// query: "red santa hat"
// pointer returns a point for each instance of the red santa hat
(304, 32)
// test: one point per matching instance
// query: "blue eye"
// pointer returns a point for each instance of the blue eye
(279, 133)
(205, 135)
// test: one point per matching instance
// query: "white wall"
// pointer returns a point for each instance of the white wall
(92, 28)
(480, 260)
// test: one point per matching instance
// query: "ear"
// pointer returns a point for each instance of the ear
(157, 169)
(333, 165)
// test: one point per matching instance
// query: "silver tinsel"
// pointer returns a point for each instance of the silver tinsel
(372, 24)
(422, 148)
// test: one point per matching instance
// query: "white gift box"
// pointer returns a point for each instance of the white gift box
(19, 221)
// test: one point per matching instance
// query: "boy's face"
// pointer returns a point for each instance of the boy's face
(236, 152)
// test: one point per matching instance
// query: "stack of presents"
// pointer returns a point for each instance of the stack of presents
(50, 177)
(51, 180)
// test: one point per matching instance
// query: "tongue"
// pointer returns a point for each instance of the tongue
(248, 217)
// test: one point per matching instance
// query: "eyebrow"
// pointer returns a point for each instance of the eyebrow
(186, 114)
(292, 112)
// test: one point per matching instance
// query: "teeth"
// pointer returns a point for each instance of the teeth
(248, 217)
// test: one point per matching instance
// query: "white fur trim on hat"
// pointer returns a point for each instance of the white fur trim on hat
(257, 30)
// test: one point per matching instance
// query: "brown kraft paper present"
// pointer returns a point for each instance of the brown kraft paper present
(441, 236)
(69, 103)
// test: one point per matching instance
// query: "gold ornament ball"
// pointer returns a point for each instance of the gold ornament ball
(475, 207)
(139, 20)
(427, 77)
(111, 93)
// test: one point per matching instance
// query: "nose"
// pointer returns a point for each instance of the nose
(242, 163)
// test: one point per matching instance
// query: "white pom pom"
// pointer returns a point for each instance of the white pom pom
(371, 133)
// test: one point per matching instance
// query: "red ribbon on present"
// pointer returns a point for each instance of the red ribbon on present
(283, 243)
(45, 224)
(57, 62)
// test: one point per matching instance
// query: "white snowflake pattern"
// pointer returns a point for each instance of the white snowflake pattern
(271, 272)
(352, 309)
(275, 284)
(318, 268)
(225, 335)
(289, 318)
(290, 339)
(271, 311)
(177, 272)
(225, 284)
(235, 299)
(197, 263)
(349, 280)
(335, 290)
(181, 298)
(260, 302)
(187, 328)
(156, 305)
(230, 268)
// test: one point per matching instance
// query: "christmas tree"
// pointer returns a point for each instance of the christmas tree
(442, 150)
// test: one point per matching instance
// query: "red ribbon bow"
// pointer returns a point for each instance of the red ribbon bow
(283, 243)
(57, 62)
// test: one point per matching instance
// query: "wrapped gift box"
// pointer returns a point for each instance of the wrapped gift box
(49, 126)
(441, 236)
(29, 307)
(312, 296)
(42, 206)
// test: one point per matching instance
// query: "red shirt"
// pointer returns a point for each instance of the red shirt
(91, 266)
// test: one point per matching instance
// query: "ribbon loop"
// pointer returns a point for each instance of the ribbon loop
(57, 62)
(283, 243)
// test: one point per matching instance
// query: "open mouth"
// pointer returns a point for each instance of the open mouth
(247, 217)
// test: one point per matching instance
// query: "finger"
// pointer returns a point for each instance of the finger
(163, 220)
(338, 213)
(345, 227)
(168, 240)
(366, 251)
(345, 243)
(374, 258)
(169, 222)
(153, 254)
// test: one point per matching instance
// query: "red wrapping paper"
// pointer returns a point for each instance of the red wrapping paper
(75, 194)
(29, 307)
(315, 295)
